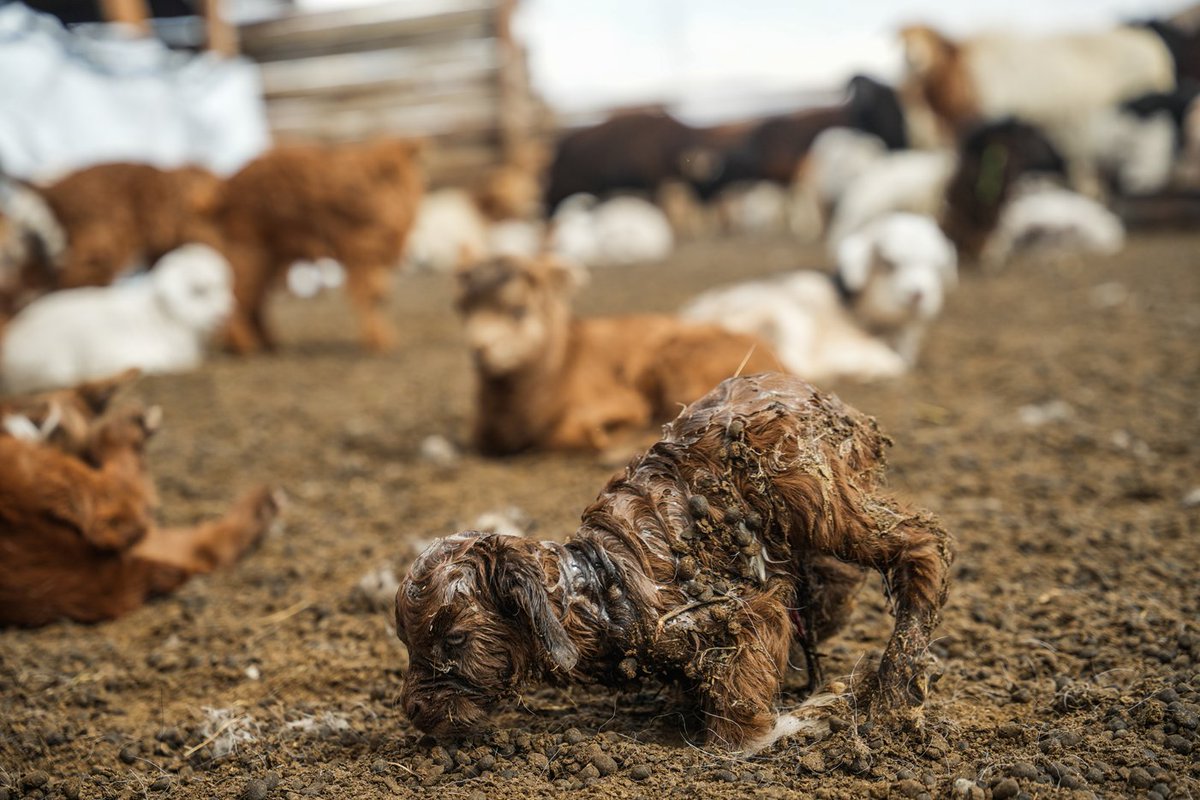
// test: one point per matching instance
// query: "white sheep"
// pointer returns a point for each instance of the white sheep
(1043, 216)
(912, 181)
(866, 321)
(622, 230)
(158, 322)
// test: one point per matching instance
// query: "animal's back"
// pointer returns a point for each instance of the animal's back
(1040, 77)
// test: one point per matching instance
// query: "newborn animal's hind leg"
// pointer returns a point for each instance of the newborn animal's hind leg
(741, 670)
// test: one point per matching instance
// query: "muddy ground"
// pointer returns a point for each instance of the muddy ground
(1054, 424)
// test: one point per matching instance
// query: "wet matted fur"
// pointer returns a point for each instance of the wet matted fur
(748, 526)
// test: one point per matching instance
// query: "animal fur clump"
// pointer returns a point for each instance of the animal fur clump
(550, 381)
(747, 528)
(353, 203)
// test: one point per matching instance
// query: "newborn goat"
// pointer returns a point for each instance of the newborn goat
(77, 539)
(866, 322)
(549, 381)
(158, 322)
(749, 525)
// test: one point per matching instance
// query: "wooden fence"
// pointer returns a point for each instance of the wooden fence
(449, 70)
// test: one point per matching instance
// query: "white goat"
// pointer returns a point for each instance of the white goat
(865, 322)
(157, 322)
(1043, 216)
(622, 230)
(911, 181)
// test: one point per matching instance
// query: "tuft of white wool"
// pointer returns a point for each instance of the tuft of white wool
(1046, 217)
(811, 718)
(449, 230)
(158, 322)
(912, 181)
(227, 729)
(325, 725)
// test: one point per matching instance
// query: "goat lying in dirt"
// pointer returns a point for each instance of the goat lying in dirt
(552, 382)
(866, 322)
(77, 539)
(748, 527)
(352, 203)
(158, 322)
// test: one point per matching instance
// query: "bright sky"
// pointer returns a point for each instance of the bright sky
(712, 58)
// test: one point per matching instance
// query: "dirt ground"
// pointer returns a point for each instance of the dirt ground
(1054, 424)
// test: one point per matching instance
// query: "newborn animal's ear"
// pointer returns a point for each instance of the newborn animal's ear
(520, 584)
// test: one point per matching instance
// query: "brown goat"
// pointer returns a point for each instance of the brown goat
(354, 203)
(116, 216)
(747, 527)
(77, 539)
(547, 381)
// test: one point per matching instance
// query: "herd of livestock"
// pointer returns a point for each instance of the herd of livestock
(990, 146)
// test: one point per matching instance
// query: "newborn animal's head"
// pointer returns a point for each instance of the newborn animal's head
(194, 283)
(514, 310)
(474, 613)
(897, 270)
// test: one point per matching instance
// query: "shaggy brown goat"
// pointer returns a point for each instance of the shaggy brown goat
(77, 539)
(748, 525)
(354, 203)
(116, 216)
(552, 382)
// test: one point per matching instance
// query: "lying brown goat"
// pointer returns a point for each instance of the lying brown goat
(749, 525)
(549, 381)
(354, 203)
(77, 539)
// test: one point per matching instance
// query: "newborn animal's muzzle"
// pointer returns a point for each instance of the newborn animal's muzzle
(443, 709)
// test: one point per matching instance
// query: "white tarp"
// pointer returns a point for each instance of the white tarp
(73, 99)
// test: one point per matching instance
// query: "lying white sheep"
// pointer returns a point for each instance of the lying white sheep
(866, 321)
(1042, 216)
(157, 322)
(912, 181)
(622, 230)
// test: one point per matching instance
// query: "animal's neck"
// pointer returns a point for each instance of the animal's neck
(592, 592)
(519, 408)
